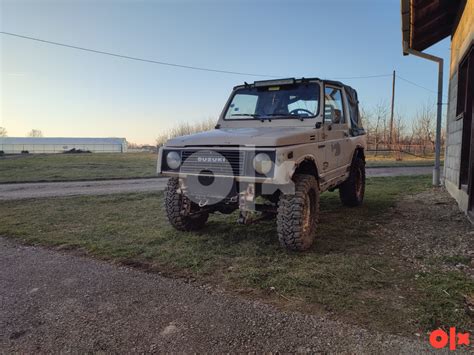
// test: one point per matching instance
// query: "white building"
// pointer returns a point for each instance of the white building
(35, 145)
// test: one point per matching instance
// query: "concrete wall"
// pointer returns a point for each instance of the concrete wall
(461, 41)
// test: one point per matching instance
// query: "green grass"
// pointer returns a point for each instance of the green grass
(384, 160)
(57, 167)
(70, 167)
(442, 302)
(390, 163)
(348, 272)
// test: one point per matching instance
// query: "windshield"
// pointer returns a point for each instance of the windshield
(289, 101)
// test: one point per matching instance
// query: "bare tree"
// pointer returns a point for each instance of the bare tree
(366, 119)
(35, 133)
(380, 127)
(133, 145)
(184, 129)
(3, 132)
(414, 136)
(423, 128)
(399, 129)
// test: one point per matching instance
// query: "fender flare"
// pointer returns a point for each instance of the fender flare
(312, 167)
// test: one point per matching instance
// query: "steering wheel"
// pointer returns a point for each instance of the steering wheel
(296, 110)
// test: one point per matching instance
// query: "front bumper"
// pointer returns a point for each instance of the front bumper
(280, 174)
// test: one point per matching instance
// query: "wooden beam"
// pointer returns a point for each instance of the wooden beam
(427, 39)
(441, 16)
(434, 24)
(431, 21)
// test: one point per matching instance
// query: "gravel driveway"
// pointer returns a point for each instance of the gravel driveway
(55, 302)
(50, 189)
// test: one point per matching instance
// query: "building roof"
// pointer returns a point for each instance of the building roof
(60, 140)
(426, 22)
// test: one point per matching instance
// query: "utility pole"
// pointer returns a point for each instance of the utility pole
(393, 109)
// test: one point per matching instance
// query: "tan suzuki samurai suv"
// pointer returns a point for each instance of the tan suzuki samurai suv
(277, 145)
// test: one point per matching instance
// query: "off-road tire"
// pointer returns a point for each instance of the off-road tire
(298, 214)
(178, 209)
(351, 191)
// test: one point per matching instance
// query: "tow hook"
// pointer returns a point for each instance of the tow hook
(243, 218)
(203, 203)
(247, 204)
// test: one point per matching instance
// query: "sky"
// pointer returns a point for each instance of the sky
(70, 93)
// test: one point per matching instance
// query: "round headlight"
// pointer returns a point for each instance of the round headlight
(262, 163)
(173, 160)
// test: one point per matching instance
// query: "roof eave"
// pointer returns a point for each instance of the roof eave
(425, 23)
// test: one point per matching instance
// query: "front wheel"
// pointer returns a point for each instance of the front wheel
(298, 214)
(182, 213)
(352, 190)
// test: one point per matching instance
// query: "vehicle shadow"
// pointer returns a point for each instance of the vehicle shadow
(340, 230)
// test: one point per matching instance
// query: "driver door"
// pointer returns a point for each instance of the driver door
(335, 130)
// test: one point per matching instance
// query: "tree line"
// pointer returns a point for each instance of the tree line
(415, 134)
(32, 133)
(185, 128)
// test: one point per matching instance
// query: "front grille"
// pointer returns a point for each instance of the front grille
(222, 162)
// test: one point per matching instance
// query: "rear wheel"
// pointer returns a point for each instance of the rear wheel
(352, 190)
(298, 214)
(182, 213)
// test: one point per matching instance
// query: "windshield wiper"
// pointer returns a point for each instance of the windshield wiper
(245, 115)
(285, 115)
(254, 115)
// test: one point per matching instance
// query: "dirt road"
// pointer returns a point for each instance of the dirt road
(54, 302)
(400, 171)
(50, 189)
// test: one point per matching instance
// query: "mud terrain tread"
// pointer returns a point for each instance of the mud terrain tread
(347, 190)
(176, 212)
(290, 214)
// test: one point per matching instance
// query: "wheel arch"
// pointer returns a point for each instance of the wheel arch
(359, 152)
(306, 165)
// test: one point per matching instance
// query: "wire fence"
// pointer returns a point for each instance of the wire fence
(399, 150)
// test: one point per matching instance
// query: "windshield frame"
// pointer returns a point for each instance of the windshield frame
(269, 117)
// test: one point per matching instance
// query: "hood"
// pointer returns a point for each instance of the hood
(264, 136)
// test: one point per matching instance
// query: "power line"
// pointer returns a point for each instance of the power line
(169, 64)
(190, 66)
(136, 58)
(415, 84)
(363, 77)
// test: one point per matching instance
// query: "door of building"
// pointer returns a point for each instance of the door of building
(465, 107)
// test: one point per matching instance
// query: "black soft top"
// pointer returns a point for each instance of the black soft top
(353, 106)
